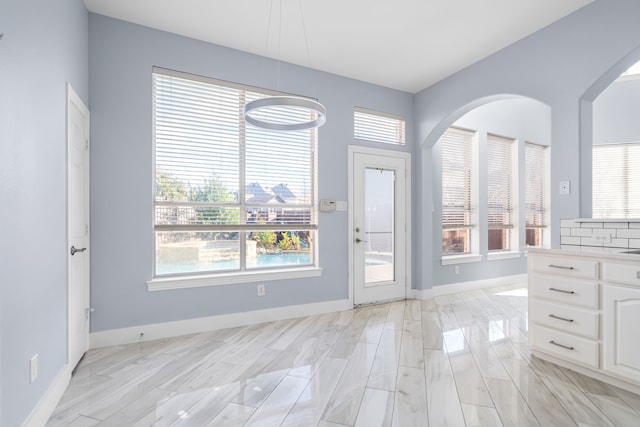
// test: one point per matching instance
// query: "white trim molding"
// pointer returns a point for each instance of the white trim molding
(47, 404)
(492, 256)
(454, 288)
(203, 324)
(460, 259)
(197, 281)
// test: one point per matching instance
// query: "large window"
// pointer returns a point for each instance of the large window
(535, 193)
(228, 196)
(375, 126)
(616, 180)
(457, 180)
(500, 192)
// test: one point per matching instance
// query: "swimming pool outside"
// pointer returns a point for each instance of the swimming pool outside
(261, 261)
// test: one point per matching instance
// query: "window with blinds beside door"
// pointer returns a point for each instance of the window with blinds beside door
(228, 197)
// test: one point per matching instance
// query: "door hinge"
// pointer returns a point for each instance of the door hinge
(86, 144)
(86, 229)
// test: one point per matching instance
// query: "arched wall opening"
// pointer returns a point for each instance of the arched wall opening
(590, 136)
(513, 116)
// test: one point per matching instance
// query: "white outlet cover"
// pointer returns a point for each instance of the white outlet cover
(565, 187)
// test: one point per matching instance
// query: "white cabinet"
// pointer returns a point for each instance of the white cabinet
(621, 321)
(563, 308)
(584, 313)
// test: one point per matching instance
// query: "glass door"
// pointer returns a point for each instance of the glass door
(378, 228)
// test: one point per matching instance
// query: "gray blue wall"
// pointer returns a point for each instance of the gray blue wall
(566, 65)
(44, 47)
(616, 113)
(121, 57)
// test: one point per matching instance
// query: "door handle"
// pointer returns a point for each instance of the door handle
(74, 250)
(359, 240)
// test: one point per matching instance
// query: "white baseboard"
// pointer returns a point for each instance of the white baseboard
(47, 404)
(455, 288)
(203, 324)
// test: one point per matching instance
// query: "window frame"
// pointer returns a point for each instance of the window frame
(509, 207)
(375, 126)
(243, 227)
(542, 212)
(625, 177)
(471, 211)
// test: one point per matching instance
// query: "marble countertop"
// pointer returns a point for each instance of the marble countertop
(590, 251)
(611, 220)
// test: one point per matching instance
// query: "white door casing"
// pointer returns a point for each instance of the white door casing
(379, 225)
(78, 260)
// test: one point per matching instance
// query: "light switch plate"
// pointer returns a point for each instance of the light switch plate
(565, 187)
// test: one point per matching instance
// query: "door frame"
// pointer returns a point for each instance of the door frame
(356, 149)
(74, 99)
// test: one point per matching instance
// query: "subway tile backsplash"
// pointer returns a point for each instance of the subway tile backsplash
(600, 234)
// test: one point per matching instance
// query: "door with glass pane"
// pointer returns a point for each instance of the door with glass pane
(379, 241)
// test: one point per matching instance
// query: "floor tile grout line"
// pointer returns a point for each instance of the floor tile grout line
(559, 401)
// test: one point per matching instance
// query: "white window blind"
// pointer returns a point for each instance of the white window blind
(535, 191)
(457, 167)
(220, 181)
(378, 127)
(500, 190)
(616, 180)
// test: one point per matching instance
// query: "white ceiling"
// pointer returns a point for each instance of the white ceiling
(402, 44)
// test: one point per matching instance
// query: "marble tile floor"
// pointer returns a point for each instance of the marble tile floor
(456, 360)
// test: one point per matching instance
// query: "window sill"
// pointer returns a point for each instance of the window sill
(197, 281)
(492, 256)
(460, 259)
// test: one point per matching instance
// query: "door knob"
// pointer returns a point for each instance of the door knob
(359, 240)
(74, 250)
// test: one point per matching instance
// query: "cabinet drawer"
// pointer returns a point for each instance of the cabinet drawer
(621, 273)
(565, 346)
(566, 266)
(565, 318)
(565, 290)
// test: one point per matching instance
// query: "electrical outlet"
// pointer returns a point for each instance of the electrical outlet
(565, 187)
(33, 369)
(456, 269)
(261, 290)
(602, 235)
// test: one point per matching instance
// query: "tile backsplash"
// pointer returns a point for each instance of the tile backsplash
(594, 233)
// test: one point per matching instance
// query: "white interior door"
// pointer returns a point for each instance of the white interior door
(379, 236)
(78, 261)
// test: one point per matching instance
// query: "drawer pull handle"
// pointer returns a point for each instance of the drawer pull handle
(561, 290)
(561, 266)
(553, 316)
(561, 345)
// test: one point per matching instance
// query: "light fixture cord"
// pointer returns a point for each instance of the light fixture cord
(304, 33)
(266, 45)
(306, 44)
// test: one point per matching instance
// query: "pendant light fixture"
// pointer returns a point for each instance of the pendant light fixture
(276, 110)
